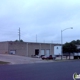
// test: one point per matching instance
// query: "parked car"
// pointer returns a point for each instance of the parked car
(42, 56)
(35, 56)
(48, 58)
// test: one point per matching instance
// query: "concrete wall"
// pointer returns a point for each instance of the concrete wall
(19, 47)
(52, 49)
(32, 47)
(42, 46)
(28, 49)
(3, 47)
(25, 49)
(45, 47)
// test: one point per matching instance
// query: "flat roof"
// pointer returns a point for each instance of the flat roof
(32, 42)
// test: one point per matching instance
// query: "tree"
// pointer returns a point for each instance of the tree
(19, 41)
(77, 42)
(16, 40)
(69, 48)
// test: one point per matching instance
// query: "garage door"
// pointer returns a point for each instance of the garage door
(42, 52)
(47, 53)
(12, 52)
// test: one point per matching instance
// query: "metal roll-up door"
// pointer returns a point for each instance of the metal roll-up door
(47, 53)
(42, 52)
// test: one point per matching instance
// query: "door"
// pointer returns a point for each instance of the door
(36, 51)
(47, 53)
(12, 52)
(42, 52)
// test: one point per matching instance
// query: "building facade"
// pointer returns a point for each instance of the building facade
(29, 48)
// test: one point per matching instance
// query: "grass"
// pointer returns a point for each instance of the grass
(2, 62)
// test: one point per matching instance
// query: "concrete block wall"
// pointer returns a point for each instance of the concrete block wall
(40, 46)
(3, 47)
(24, 48)
(32, 47)
(19, 47)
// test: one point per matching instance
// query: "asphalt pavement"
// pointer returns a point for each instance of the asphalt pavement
(15, 59)
(40, 71)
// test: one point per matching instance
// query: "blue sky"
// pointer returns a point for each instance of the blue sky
(44, 18)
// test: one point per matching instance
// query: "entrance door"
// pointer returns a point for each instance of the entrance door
(36, 51)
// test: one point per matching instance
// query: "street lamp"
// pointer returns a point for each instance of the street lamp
(62, 35)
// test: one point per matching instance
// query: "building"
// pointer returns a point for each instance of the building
(29, 48)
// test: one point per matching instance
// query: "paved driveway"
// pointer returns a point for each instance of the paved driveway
(14, 59)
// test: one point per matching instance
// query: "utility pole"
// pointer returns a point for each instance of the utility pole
(62, 38)
(50, 47)
(36, 38)
(19, 34)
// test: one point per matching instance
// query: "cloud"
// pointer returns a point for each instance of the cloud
(45, 18)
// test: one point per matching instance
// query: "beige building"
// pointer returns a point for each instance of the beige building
(29, 48)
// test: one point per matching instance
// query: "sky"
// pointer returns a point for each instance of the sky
(41, 19)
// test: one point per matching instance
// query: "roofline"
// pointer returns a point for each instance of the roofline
(36, 42)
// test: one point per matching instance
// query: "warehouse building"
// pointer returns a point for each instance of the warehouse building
(29, 48)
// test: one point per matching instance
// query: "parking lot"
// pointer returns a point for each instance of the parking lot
(14, 59)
